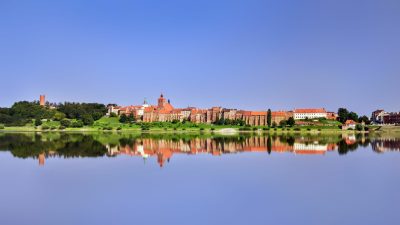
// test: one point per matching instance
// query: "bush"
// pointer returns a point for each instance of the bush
(107, 128)
(119, 128)
(113, 114)
(61, 127)
(38, 122)
(202, 128)
(65, 123)
(87, 120)
(58, 116)
(212, 128)
(308, 129)
(77, 124)
(45, 127)
(366, 128)
(297, 129)
(53, 128)
(1, 126)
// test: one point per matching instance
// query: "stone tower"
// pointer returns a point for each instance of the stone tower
(42, 100)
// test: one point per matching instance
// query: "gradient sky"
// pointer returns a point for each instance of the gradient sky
(238, 54)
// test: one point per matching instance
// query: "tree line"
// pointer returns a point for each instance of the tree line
(23, 112)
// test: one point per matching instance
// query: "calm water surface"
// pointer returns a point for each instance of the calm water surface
(54, 178)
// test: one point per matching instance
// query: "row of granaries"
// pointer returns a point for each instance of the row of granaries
(165, 112)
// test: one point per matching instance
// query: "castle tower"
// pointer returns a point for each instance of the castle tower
(42, 100)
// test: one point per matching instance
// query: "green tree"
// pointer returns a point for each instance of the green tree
(282, 123)
(269, 118)
(343, 115)
(65, 122)
(58, 116)
(291, 122)
(77, 123)
(131, 118)
(352, 116)
(87, 120)
(38, 122)
(364, 119)
(123, 118)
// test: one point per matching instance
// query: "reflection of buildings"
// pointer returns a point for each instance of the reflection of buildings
(163, 150)
(312, 148)
(383, 145)
(41, 159)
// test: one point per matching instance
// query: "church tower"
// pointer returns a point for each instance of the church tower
(161, 101)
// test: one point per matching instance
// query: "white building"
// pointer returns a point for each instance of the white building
(301, 114)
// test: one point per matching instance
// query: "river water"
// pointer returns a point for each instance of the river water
(119, 178)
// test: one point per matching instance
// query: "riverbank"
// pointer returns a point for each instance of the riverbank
(212, 129)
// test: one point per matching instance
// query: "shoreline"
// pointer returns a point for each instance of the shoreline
(220, 131)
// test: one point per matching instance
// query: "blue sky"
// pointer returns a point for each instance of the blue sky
(239, 54)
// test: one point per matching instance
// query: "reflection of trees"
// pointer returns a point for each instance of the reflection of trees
(67, 145)
(25, 145)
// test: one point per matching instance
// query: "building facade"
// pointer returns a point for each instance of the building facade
(301, 114)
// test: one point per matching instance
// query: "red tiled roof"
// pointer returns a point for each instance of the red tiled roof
(348, 122)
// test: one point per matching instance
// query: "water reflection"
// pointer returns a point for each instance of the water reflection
(164, 146)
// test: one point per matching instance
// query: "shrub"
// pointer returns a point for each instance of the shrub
(212, 128)
(1, 126)
(65, 123)
(308, 129)
(202, 128)
(265, 128)
(61, 127)
(45, 127)
(107, 128)
(53, 128)
(366, 128)
(297, 129)
(87, 120)
(38, 122)
(77, 123)
(113, 114)
(119, 128)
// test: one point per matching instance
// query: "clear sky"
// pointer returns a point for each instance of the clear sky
(239, 54)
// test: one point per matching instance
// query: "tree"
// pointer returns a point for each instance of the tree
(77, 123)
(65, 122)
(364, 119)
(87, 120)
(291, 122)
(269, 117)
(58, 116)
(38, 121)
(274, 124)
(123, 118)
(132, 119)
(352, 116)
(282, 123)
(343, 114)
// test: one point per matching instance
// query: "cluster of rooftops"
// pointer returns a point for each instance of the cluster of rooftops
(164, 111)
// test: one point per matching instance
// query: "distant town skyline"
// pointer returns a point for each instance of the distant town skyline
(250, 55)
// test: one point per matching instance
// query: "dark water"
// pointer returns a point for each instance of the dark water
(54, 178)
